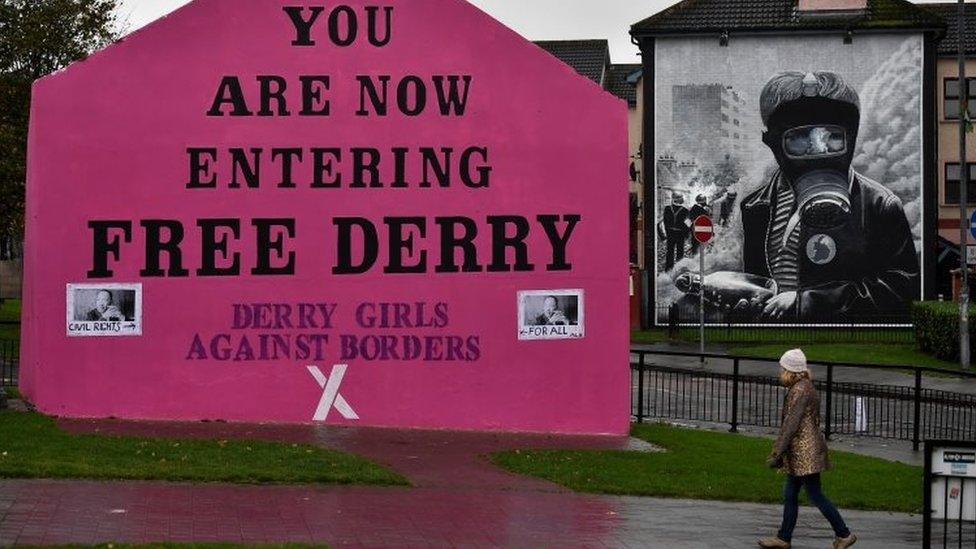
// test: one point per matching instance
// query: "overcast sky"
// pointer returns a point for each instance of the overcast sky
(534, 19)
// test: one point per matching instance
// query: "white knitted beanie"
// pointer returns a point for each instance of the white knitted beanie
(794, 361)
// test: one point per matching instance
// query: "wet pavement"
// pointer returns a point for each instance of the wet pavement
(45, 512)
(458, 499)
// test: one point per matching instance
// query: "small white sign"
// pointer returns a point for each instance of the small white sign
(550, 314)
(104, 310)
(860, 415)
(971, 255)
(953, 485)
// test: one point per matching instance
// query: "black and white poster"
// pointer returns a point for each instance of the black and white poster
(550, 314)
(104, 310)
(807, 154)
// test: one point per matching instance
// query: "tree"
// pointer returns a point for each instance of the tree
(37, 37)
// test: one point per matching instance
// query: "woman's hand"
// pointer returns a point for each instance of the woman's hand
(774, 461)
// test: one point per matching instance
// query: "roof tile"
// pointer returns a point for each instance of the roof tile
(618, 84)
(588, 57)
(949, 11)
(767, 15)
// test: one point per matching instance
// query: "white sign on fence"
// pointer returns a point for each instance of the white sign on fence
(954, 497)
(860, 415)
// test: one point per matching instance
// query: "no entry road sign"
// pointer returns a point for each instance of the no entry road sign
(702, 229)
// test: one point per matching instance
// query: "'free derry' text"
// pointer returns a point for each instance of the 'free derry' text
(349, 169)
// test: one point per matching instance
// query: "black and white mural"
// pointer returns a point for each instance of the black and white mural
(807, 154)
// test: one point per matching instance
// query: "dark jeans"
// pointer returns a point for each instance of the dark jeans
(791, 506)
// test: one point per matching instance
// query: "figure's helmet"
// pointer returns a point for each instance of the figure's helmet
(812, 121)
(701, 200)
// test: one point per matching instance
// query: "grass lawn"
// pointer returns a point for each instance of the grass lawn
(649, 336)
(715, 466)
(744, 335)
(817, 344)
(858, 353)
(12, 393)
(32, 446)
(10, 331)
(10, 310)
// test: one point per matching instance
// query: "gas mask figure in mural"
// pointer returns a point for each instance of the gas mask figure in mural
(834, 241)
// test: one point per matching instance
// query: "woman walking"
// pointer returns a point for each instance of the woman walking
(801, 452)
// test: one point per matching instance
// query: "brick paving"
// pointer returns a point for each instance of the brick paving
(458, 500)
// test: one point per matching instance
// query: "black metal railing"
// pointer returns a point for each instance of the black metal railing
(664, 388)
(9, 363)
(948, 497)
(682, 322)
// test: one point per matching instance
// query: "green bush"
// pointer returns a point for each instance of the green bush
(937, 328)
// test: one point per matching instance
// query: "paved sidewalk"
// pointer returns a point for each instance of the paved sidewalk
(458, 500)
(44, 512)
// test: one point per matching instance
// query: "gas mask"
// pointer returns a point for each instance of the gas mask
(813, 140)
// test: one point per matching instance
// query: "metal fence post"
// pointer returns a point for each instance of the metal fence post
(916, 428)
(927, 498)
(828, 419)
(640, 389)
(735, 396)
(673, 322)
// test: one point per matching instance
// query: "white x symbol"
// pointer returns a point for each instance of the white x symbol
(330, 393)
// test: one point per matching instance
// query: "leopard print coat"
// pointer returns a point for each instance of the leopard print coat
(801, 443)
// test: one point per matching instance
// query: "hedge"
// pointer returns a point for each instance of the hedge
(937, 328)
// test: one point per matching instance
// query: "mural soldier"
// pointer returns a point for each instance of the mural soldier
(675, 228)
(726, 207)
(834, 241)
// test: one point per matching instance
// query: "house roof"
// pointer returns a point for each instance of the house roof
(590, 58)
(622, 81)
(948, 11)
(708, 16)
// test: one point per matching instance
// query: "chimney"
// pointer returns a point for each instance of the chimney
(819, 6)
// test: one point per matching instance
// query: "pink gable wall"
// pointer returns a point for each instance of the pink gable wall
(108, 142)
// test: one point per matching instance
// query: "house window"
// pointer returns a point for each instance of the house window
(951, 189)
(950, 97)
